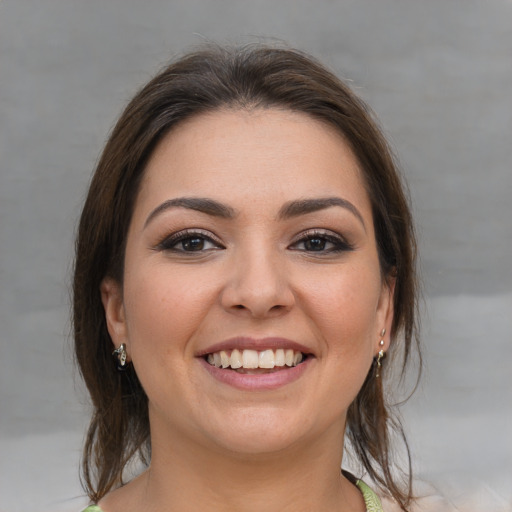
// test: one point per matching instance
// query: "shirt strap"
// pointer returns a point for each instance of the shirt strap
(371, 500)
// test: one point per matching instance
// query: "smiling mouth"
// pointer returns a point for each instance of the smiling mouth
(255, 362)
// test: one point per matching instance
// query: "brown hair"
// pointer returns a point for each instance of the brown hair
(206, 80)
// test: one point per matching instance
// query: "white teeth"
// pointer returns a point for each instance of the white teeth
(279, 357)
(251, 359)
(236, 359)
(224, 359)
(288, 357)
(266, 359)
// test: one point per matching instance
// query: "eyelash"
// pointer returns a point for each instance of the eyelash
(338, 242)
(170, 243)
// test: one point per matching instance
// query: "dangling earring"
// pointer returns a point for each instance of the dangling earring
(381, 353)
(380, 356)
(121, 355)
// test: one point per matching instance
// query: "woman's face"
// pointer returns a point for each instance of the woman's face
(252, 301)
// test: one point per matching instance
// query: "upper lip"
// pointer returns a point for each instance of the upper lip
(259, 344)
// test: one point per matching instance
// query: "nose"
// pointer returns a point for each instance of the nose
(258, 286)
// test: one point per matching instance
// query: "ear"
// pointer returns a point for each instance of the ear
(385, 311)
(112, 298)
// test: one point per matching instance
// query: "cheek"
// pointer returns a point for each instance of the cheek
(164, 308)
(345, 309)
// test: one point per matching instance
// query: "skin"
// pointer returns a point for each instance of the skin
(216, 447)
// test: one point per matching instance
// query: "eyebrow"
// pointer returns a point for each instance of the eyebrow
(304, 206)
(288, 210)
(200, 204)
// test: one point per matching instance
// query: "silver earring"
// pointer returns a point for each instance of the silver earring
(381, 342)
(121, 356)
(380, 356)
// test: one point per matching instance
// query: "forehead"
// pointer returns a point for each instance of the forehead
(253, 155)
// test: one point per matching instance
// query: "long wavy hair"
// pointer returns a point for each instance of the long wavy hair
(206, 80)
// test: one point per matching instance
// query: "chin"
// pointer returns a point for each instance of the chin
(257, 432)
(263, 443)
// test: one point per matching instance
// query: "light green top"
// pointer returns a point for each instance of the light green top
(371, 500)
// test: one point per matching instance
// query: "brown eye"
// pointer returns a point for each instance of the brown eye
(322, 242)
(189, 242)
(193, 244)
(315, 244)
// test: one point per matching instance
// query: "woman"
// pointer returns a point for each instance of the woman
(246, 254)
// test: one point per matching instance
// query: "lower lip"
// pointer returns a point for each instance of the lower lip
(254, 382)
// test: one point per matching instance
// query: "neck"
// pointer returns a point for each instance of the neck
(190, 477)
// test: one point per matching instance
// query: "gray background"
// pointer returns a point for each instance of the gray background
(438, 74)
